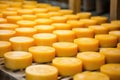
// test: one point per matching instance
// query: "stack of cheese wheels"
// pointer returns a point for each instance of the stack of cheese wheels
(106, 40)
(42, 54)
(15, 60)
(41, 72)
(5, 46)
(91, 59)
(87, 44)
(65, 35)
(112, 70)
(91, 76)
(45, 39)
(112, 55)
(67, 66)
(83, 32)
(65, 49)
(21, 43)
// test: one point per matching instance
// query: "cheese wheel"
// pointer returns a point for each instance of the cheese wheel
(44, 28)
(87, 44)
(53, 8)
(26, 23)
(65, 49)
(9, 13)
(13, 19)
(98, 29)
(88, 22)
(42, 54)
(44, 21)
(15, 4)
(62, 26)
(111, 27)
(84, 15)
(12, 9)
(106, 40)
(100, 19)
(67, 66)
(75, 23)
(66, 11)
(112, 70)
(64, 35)
(41, 72)
(5, 46)
(91, 60)
(115, 33)
(45, 39)
(30, 2)
(91, 76)
(52, 14)
(6, 34)
(118, 45)
(43, 5)
(8, 26)
(25, 31)
(29, 17)
(83, 32)
(43, 15)
(72, 17)
(15, 60)
(21, 43)
(28, 6)
(115, 22)
(3, 6)
(3, 20)
(59, 19)
(112, 55)
(25, 11)
(40, 10)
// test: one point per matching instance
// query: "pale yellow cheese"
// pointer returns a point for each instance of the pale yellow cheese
(29, 17)
(43, 21)
(52, 14)
(25, 11)
(84, 15)
(41, 72)
(28, 6)
(67, 66)
(13, 19)
(91, 60)
(53, 8)
(3, 20)
(115, 33)
(66, 11)
(43, 15)
(9, 13)
(65, 49)
(72, 17)
(42, 54)
(58, 19)
(15, 60)
(40, 10)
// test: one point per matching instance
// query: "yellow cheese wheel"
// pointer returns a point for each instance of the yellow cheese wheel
(15, 4)
(45, 39)
(15, 60)
(12, 9)
(98, 29)
(65, 49)
(28, 6)
(67, 66)
(75, 23)
(43, 15)
(44, 21)
(91, 76)
(29, 17)
(13, 19)
(64, 35)
(118, 45)
(72, 17)
(26, 23)
(84, 15)
(59, 19)
(62, 26)
(106, 40)
(88, 22)
(112, 70)
(53, 8)
(21, 43)
(112, 55)
(5, 46)
(25, 11)
(87, 44)
(52, 14)
(3, 20)
(41, 72)
(8, 26)
(115, 33)
(6, 34)
(66, 11)
(43, 5)
(9, 13)
(30, 2)
(42, 54)
(40, 10)
(91, 60)
(44, 28)
(115, 22)
(25, 31)
(100, 19)
(111, 27)
(83, 32)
